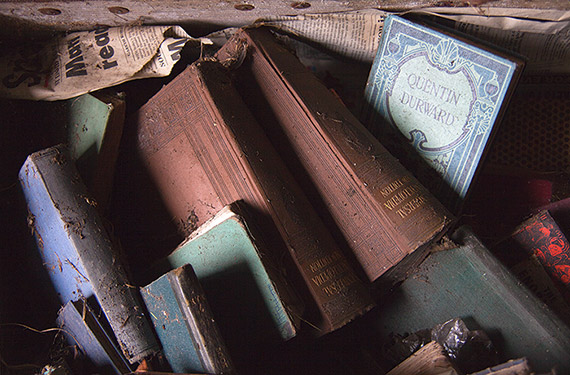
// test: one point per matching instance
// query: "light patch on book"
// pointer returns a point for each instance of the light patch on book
(438, 100)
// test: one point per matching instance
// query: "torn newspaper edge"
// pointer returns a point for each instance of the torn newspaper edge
(542, 36)
(492, 11)
(545, 52)
(352, 34)
(86, 61)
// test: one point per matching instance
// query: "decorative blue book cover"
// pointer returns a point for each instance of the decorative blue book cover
(191, 341)
(444, 95)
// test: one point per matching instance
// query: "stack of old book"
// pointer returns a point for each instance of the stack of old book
(286, 201)
(262, 216)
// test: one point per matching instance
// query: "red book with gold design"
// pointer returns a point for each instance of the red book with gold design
(541, 238)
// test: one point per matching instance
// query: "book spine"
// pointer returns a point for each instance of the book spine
(76, 249)
(183, 320)
(382, 211)
(194, 306)
(109, 148)
(541, 237)
(340, 294)
(241, 164)
(84, 329)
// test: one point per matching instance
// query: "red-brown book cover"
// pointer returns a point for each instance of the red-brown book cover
(204, 150)
(376, 208)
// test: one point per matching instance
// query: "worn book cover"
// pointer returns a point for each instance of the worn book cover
(203, 150)
(94, 129)
(444, 96)
(469, 282)
(227, 250)
(181, 315)
(77, 251)
(84, 329)
(541, 237)
(378, 211)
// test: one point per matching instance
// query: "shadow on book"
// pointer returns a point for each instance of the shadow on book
(242, 324)
(240, 311)
(264, 113)
(402, 148)
(138, 212)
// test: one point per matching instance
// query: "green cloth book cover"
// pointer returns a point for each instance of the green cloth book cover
(184, 323)
(249, 296)
(444, 95)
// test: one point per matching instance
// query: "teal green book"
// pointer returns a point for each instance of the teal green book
(91, 126)
(181, 315)
(249, 296)
(440, 96)
(94, 127)
(469, 282)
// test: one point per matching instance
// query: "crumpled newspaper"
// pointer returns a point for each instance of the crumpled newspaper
(86, 61)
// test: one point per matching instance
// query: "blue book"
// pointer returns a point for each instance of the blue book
(444, 95)
(77, 251)
(85, 330)
(191, 341)
(250, 297)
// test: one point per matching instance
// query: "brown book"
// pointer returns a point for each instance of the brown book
(377, 208)
(428, 360)
(204, 150)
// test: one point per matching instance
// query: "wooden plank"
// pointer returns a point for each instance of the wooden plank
(209, 15)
